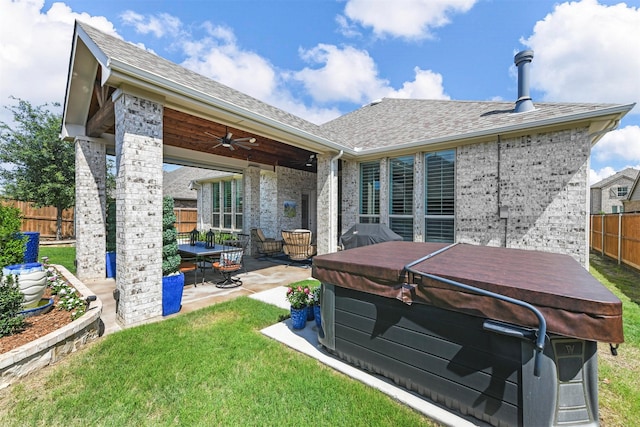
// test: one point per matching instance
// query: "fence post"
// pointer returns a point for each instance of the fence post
(619, 238)
(602, 233)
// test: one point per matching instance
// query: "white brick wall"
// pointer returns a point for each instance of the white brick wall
(90, 211)
(139, 209)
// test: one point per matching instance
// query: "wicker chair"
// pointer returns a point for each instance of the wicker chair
(297, 245)
(265, 246)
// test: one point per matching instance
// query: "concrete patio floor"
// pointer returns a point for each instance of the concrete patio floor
(261, 275)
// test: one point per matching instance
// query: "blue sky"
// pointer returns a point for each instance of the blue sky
(320, 58)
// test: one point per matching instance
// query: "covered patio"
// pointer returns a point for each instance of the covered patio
(147, 112)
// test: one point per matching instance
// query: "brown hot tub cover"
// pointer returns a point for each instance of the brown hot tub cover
(572, 301)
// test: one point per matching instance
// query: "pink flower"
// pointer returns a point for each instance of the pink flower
(289, 290)
(306, 291)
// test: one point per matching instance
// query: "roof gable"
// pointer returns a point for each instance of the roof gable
(629, 174)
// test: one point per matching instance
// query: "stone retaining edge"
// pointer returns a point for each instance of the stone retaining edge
(54, 346)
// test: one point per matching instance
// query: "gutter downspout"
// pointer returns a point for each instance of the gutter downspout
(333, 208)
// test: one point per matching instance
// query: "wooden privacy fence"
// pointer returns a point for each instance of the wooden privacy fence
(186, 219)
(43, 220)
(617, 236)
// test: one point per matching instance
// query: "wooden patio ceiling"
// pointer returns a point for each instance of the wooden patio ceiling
(186, 131)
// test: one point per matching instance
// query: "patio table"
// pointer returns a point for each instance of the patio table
(201, 253)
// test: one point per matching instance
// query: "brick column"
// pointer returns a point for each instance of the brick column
(139, 208)
(384, 191)
(327, 206)
(350, 194)
(251, 202)
(90, 208)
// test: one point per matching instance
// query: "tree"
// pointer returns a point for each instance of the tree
(40, 167)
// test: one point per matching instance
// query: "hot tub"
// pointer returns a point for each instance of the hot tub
(507, 336)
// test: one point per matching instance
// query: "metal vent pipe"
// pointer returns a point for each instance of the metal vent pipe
(522, 61)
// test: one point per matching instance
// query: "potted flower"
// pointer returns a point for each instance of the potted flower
(172, 279)
(314, 301)
(298, 297)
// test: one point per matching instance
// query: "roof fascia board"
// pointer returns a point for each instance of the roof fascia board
(123, 72)
(615, 114)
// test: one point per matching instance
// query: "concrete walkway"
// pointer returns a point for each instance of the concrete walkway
(261, 276)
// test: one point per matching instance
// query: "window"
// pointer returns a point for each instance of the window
(439, 196)
(369, 192)
(614, 209)
(623, 191)
(401, 196)
(215, 210)
(227, 205)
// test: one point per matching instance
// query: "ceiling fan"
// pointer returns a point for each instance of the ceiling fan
(228, 142)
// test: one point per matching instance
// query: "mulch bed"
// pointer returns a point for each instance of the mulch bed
(37, 326)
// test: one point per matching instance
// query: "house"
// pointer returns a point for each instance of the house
(487, 173)
(177, 183)
(607, 196)
(632, 202)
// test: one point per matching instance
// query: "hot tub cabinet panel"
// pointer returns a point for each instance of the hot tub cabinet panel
(477, 365)
(450, 358)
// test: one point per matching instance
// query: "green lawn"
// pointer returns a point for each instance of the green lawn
(61, 255)
(209, 367)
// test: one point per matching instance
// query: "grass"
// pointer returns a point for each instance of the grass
(209, 367)
(61, 255)
(619, 382)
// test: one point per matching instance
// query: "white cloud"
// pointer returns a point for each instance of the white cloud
(410, 19)
(427, 85)
(159, 25)
(347, 74)
(34, 50)
(599, 175)
(587, 52)
(620, 144)
(220, 58)
(351, 75)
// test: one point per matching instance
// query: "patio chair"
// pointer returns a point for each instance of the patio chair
(190, 264)
(229, 264)
(265, 246)
(297, 245)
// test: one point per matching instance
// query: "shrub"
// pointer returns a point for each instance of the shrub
(11, 245)
(111, 225)
(11, 299)
(170, 256)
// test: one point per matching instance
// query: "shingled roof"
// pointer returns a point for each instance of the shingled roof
(392, 121)
(629, 173)
(388, 124)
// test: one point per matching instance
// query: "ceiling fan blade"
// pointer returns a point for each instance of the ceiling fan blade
(231, 148)
(217, 145)
(250, 140)
(212, 135)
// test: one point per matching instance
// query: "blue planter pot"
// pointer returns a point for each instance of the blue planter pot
(298, 317)
(316, 315)
(172, 287)
(32, 247)
(111, 264)
(309, 312)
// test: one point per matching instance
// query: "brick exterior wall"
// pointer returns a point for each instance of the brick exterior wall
(90, 214)
(139, 211)
(540, 178)
(350, 194)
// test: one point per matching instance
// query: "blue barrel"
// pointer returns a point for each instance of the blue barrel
(32, 247)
